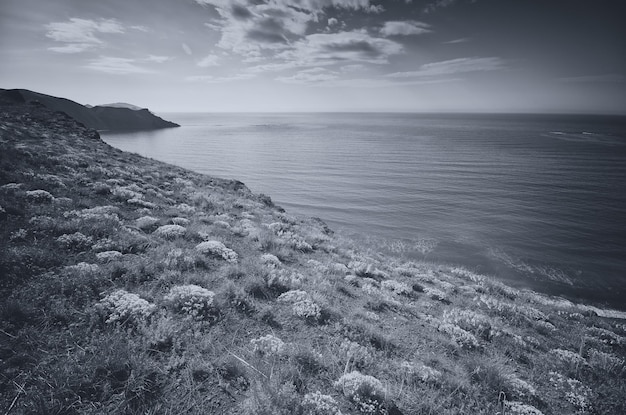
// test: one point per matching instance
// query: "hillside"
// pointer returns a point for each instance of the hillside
(130, 286)
(104, 118)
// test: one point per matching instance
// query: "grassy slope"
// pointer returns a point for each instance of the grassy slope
(440, 340)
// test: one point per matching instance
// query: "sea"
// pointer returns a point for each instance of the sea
(537, 201)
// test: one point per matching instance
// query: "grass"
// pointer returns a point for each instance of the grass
(129, 286)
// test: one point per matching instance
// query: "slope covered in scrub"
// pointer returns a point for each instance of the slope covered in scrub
(130, 286)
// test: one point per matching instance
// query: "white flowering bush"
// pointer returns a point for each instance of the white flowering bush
(462, 338)
(181, 221)
(125, 308)
(146, 222)
(518, 408)
(170, 231)
(396, 287)
(75, 241)
(39, 196)
(293, 296)
(475, 323)
(82, 268)
(105, 244)
(317, 403)
(107, 256)
(367, 392)
(193, 300)
(268, 345)
(575, 392)
(282, 278)
(124, 193)
(185, 208)
(18, 235)
(270, 260)
(307, 309)
(218, 249)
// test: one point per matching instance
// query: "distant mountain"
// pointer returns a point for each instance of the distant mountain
(110, 117)
(122, 105)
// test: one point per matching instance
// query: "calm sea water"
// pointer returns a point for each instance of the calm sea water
(538, 201)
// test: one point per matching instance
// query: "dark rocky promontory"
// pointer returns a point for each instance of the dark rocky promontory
(102, 118)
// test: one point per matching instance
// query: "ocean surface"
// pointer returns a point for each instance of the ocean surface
(536, 201)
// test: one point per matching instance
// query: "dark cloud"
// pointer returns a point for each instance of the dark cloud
(240, 12)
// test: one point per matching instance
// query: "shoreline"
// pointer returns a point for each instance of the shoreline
(132, 285)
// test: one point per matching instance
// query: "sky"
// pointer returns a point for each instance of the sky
(537, 56)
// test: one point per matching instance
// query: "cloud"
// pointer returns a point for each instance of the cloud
(454, 41)
(80, 35)
(440, 4)
(251, 28)
(209, 60)
(309, 76)
(404, 28)
(210, 79)
(453, 66)
(158, 59)
(344, 47)
(187, 49)
(116, 66)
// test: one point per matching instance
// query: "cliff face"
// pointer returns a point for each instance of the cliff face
(99, 117)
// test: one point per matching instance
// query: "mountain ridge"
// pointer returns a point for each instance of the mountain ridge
(101, 117)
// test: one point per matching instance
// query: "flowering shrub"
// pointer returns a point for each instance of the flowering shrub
(75, 241)
(462, 338)
(193, 300)
(39, 196)
(607, 336)
(107, 256)
(293, 296)
(396, 287)
(365, 391)
(185, 208)
(282, 278)
(317, 403)
(125, 193)
(123, 307)
(575, 392)
(82, 268)
(146, 222)
(105, 244)
(518, 408)
(180, 221)
(268, 345)
(18, 235)
(137, 201)
(217, 248)
(170, 231)
(475, 323)
(270, 260)
(307, 309)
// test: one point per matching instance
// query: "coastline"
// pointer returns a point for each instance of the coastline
(130, 283)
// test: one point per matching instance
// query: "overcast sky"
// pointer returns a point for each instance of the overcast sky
(321, 55)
